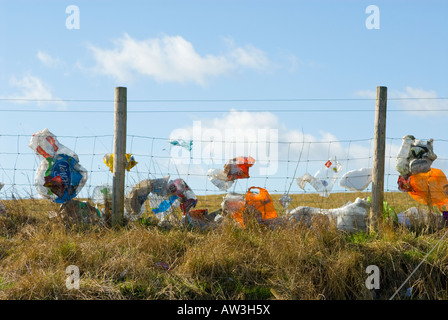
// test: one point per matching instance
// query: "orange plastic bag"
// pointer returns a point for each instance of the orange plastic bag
(430, 188)
(261, 201)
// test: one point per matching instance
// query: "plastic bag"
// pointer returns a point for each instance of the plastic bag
(232, 203)
(187, 198)
(324, 179)
(219, 179)
(102, 194)
(285, 200)
(415, 156)
(356, 180)
(135, 199)
(129, 164)
(261, 202)
(351, 217)
(182, 143)
(59, 176)
(238, 168)
(430, 188)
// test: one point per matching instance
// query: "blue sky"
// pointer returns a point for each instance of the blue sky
(239, 51)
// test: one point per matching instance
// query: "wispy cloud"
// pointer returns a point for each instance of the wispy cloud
(48, 60)
(31, 88)
(413, 100)
(171, 59)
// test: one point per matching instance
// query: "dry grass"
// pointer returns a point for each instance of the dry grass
(291, 262)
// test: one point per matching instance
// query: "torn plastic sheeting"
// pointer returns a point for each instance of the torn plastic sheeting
(219, 179)
(351, 217)
(416, 217)
(356, 180)
(323, 180)
(102, 194)
(182, 143)
(429, 188)
(129, 164)
(238, 168)
(59, 176)
(415, 156)
(187, 198)
(135, 199)
(285, 200)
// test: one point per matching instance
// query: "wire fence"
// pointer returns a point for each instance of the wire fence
(277, 172)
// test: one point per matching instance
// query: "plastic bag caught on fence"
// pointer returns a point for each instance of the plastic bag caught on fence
(430, 188)
(187, 198)
(356, 180)
(238, 168)
(285, 200)
(219, 179)
(59, 176)
(260, 204)
(182, 143)
(415, 156)
(135, 199)
(323, 180)
(129, 163)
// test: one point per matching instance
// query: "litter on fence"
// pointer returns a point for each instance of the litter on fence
(259, 204)
(351, 217)
(219, 179)
(59, 176)
(324, 179)
(135, 199)
(187, 198)
(129, 164)
(285, 200)
(422, 218)
(2, 206)
(356, 180)
(238, 168)
(182, 143)
(430, 188)
(415, 156)
(102, 195)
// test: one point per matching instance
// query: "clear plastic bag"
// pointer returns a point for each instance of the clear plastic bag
(59, 176)
(219, 179)
(324, 179)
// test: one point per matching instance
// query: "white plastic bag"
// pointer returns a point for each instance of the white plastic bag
(356, 180)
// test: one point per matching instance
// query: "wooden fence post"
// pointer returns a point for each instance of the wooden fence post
(119, 154)
(379, 147)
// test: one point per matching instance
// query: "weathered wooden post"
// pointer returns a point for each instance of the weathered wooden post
(379, 147)
(119, 157)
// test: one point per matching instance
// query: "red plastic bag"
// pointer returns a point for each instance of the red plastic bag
(238, 168)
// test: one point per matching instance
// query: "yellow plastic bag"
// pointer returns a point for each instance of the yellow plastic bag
(109, 161)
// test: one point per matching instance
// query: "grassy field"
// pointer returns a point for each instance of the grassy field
(144, 261)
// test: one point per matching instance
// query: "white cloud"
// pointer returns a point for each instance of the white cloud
(413, 100)
(171, 59)
(32, 88)
(48, 60)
